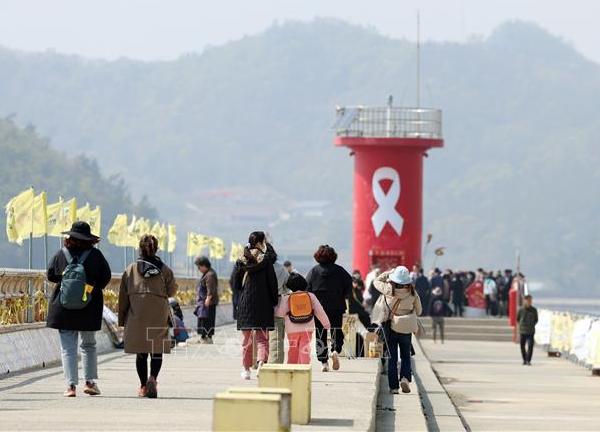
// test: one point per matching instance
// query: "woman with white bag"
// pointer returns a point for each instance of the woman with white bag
(403, 306)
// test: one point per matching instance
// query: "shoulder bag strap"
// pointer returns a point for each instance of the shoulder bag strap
(67, 255)
(84, 256)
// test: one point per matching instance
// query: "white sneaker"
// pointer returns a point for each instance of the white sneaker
(325, 367)
(335, 360)
(258, 366)
(246, 374)
(405, 385)
(394, 391)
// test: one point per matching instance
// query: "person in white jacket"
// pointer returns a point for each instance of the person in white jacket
(403, 306)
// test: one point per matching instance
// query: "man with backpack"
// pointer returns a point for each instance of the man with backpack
(438, 310)
(80, 273)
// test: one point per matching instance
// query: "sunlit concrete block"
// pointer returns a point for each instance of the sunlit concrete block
(248, 412)
(297, 378)
(286, 400)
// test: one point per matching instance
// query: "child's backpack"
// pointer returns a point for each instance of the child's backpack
(75, 293)
(301, 310)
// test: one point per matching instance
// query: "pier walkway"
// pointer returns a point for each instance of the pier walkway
(461, 385)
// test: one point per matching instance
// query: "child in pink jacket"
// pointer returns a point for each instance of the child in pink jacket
(300, 334)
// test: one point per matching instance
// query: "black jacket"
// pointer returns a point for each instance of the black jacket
(355, 306)
(527, 318)
(98, 275)
(458, 290)
(438, 307)
(257, 294)
(331, 284)
(422, 286)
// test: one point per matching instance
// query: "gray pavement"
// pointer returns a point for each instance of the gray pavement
(343, 400)
(495, 392)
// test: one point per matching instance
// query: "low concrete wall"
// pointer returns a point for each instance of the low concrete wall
(32, 346)
(37, 346)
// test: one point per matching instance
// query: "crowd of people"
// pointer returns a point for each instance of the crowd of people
(271, 301)
(450, 287)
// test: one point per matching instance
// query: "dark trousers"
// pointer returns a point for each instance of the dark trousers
(488, 304)
(337, 335)
(459, 307)
(526, 352)
(400, 341)
(438, 322)
(141, 365)
(206, 326)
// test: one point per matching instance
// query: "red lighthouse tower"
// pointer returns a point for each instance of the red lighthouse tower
(388, 144)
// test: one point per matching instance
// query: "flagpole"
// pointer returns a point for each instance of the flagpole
(29, 282)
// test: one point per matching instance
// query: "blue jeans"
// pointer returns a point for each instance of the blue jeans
(89, 357)
(397, 341)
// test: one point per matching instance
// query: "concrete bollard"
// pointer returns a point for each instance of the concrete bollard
(297, 378)
(248, 412)
(286, 400)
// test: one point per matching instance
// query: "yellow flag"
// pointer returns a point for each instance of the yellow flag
(132, 239)
(19, 216)
(84, 213)
(160, 232)
(172, 241)
(162, 237)
(196, 242)
(70, 214)
(39, 223)
(54, 212)
(61, 216)
(142, 227)
(117, 234)
(237, 250)
(95, 221)
(216, 248)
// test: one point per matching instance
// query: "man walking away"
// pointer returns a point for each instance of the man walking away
(527, 319)
(438, 309)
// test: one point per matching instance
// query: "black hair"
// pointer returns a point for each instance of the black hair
(325, 255)
(255, 238)
(202, 261)
(76, 244)
(287, 263)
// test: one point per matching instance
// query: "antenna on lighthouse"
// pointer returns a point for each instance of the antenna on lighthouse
(418, 59)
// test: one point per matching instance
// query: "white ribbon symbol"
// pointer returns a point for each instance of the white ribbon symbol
(386, 212)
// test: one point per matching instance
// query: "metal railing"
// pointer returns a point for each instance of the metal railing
(388, 122)
(24, 295)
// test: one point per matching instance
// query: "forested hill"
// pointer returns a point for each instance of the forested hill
(238, 136)
(27, 160)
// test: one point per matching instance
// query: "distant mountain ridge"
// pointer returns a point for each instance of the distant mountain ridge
(519, 170)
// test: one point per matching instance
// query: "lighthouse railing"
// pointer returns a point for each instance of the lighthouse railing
(391, 122)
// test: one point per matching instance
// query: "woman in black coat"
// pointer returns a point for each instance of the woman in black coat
(256, 282)
(332, 285)
(71, 323)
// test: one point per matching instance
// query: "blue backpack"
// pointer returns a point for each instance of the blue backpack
(75, 293)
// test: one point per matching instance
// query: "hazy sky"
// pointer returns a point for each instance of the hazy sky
(164, 29)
